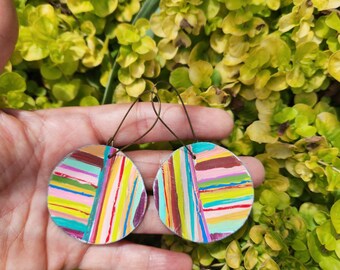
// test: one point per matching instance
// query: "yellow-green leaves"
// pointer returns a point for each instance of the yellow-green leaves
(200, 73)
(103, 8)
(334, 66)
(66, 91)
(11, 82)
(127, 34)
(335, 216)
(233, 255)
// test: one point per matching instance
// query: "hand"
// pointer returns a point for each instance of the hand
(31, 145)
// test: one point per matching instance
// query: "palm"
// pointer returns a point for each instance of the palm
(32, 143)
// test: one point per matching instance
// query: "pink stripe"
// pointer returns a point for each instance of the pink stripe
(208, 175)
(70, 196)
(88, 178)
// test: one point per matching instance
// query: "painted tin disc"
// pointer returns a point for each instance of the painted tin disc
(204, 199)
(94, 198)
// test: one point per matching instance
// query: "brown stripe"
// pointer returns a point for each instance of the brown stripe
(174, 202)
(224, 162)
(88, 158)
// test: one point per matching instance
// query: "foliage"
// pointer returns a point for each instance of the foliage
(274, 65)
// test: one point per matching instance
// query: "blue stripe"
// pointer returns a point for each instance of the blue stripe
(190, 190)
(225, 185)
(202, 146)
(69, 224)
(227, 201)
(129, 207)
(72, 191)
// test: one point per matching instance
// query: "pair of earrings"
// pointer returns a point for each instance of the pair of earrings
(203, 192)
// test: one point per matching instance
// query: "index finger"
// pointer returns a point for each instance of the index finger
(103, 121)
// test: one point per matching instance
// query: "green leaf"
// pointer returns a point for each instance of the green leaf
(329, 263)
(11, 81)
(77, 6)
(273, 240)
(89, 101)
(333, 21)
(204, 256)
(233, 255)
(335, 216)
(102, 8)
(285, 115)
(328, 125)
(66, 91)
(179, 78)
(261, 132)
(334, 66)
(127, 34)
(136, 88)
(250, 258)
(200, 73)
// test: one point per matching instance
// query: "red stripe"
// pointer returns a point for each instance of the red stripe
(67, 207)
(228, 207)
(73, 178)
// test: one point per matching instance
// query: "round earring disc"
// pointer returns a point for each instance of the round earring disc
(95, 198)
(203, 199)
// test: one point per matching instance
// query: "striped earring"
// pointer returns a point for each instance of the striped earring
(96, 194)
(202, 191)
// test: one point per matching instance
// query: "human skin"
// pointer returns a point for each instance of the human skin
(32, 144)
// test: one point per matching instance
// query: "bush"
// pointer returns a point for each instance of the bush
(274, 65)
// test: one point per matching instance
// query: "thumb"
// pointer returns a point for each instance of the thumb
(8, 30)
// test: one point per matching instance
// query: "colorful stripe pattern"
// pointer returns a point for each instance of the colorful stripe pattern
(97, 198)
(203, 199)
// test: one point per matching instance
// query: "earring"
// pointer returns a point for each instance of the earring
(96, 194)
(203, 192)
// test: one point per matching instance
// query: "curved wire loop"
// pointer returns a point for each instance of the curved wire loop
(111, 140)
(188, 118)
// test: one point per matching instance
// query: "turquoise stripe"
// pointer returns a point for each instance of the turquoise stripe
(81, 165)
(202, 146)
(69, 224)
(94, 209)
(227, 201)
(226, 226)
(161, 197)
(138, 196)
(190, 190)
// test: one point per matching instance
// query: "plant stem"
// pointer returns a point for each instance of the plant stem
(147, 9)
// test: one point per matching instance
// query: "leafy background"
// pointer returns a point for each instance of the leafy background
(274, 65)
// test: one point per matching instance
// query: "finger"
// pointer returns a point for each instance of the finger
(125, 255)
(255, 168)
(151, 223)
(8, 30)
(100, 123)
(149, 161)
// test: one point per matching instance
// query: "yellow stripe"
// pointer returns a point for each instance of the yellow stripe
(232, 216)
(225, 194)
(112, 175)
(121, 204)
(68, 203)
(221, 155)
(178, 181)
(71, 212)
(72, 188)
